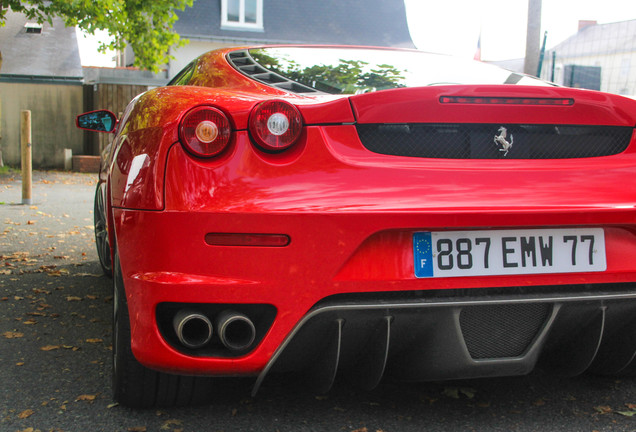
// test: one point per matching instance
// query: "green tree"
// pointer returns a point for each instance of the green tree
(144, 24)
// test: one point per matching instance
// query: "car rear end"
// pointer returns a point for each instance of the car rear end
(441, 232)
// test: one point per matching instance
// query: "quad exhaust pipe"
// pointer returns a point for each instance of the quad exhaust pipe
(235, 330)
(193, 329)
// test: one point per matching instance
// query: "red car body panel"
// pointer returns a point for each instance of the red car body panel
(350, 213)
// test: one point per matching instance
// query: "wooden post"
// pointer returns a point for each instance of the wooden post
(25, 146)
(1, 160)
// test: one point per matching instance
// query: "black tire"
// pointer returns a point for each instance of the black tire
(134, 385)
(101, 234)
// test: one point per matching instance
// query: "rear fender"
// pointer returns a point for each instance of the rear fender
(141, 146)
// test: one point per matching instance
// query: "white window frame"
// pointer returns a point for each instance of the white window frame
(33, 28)
(241, 24)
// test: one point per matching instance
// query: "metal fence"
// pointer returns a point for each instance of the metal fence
(598, 57)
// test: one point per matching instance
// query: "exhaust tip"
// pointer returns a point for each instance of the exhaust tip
(193, 329)
(236, 331)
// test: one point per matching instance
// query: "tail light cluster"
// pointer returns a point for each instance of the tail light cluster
(274, 125)
(205, 131)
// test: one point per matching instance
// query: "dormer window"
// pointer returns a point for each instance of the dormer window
(242, 14)
(33, 28)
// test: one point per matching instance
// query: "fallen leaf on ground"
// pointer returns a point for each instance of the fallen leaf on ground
(49, 347)
(94, 340)
(12, 335)
(603, 409)
(73, 298)
(57, 273)
(86, 397)
(26, 413)
(137, 429)
(41, 291)
(168, 424)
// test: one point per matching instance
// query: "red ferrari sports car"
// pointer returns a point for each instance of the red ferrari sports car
(352, 213)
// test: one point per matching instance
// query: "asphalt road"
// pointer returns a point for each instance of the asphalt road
(55, 348)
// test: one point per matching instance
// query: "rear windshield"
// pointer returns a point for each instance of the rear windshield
(354, 71)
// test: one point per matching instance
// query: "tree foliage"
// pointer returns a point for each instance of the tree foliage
(144, 24)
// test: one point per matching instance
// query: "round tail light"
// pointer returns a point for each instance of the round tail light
(205, 131)
(275, 125)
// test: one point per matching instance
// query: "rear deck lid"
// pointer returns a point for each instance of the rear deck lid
(494, 104)
(494, 122)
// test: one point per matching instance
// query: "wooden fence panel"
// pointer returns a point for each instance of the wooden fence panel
(113, 97)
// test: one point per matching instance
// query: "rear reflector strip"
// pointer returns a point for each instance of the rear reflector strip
(505, 101)
(238, 239)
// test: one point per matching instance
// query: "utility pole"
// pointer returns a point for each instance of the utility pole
(533, 38)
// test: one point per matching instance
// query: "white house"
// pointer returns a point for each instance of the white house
(211, 24)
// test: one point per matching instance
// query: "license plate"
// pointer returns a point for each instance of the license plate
(508, 252)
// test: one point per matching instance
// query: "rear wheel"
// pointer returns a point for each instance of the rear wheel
(134, 385)
(101, 234)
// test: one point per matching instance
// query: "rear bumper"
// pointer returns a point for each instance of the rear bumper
(343, 281)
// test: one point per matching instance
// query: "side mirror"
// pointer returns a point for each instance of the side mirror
(98, 121)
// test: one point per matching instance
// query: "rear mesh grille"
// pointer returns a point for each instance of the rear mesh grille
(500, 331)
(470, 141)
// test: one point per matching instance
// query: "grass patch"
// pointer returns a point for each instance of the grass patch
(7, 170)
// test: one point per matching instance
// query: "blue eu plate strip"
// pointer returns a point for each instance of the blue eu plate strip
(423, 253)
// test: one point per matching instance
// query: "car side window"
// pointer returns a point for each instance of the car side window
(183, 77)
